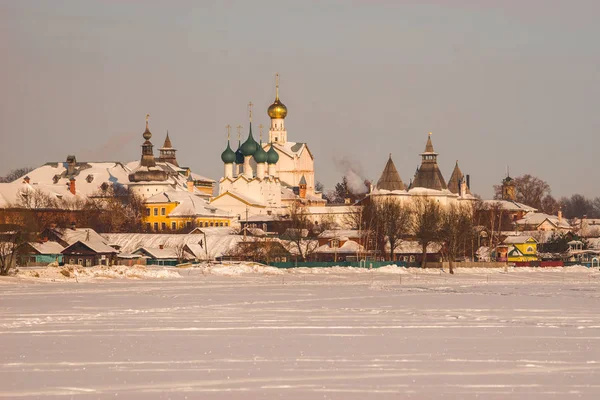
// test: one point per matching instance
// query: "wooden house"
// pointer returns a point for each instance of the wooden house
(89, 253)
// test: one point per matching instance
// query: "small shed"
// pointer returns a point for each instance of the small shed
(89, 253)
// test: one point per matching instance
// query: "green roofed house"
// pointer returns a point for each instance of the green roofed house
(40, 253)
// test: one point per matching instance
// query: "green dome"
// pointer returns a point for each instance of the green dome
(239, 157)
(228, 156)
(260, 156)
(250, 146)
(272, 155)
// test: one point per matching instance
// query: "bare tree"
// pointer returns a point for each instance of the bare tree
(426, 224)
(395, 220)
(456, 229)
(367, 219)
(15, 174)
(299, 233)
(11, 238)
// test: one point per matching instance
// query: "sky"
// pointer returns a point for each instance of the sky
(499, 83)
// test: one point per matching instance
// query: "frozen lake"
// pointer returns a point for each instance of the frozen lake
(515, 335)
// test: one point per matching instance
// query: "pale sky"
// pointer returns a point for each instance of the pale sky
(497, 82)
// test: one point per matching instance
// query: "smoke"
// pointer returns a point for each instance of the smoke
(353, 171)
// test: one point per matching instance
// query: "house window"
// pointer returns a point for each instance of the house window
(221, 224)
(174, 226)
(88, 262)
(335, 243)
(163, 211)
(155, 211)
(188, 224)
(71, 261)
(148, 226)
(206, 224)
(156, 225)
(80, 261)
(147, 212)
(530, 249)
(212, 224)
(226, 223)
(163, 226)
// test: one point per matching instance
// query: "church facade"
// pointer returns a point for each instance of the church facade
(266, 178)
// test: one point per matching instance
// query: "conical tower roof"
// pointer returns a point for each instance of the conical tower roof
(167, 144)
(455, 179)
(429, 146)
(390, 178)
(429, 175)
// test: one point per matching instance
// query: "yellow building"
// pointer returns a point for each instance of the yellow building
(521, 248)
(176, 210)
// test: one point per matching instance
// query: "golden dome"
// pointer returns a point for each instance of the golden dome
(277, 110)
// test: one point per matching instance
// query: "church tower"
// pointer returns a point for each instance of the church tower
(277, 112)
(508, 189)
(167, 152)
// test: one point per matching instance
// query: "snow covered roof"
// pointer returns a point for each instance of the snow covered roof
(47, 247)
(509, 205)
(166, 253)
(21, 194)
(424, 191)
(339, 233)
(242, 197)
(217, 245)
(220, 231)
(290, 149)
(349, 246)
(188, 204)
(72, 235)
(536, 219)
(413, 247)
(519, 240)
(94, 245)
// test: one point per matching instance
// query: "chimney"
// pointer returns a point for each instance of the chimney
(72, 185)
(26, 179)
(469, 182)
(347, 200)
(559, 215)
(161, 246)
(190, 185)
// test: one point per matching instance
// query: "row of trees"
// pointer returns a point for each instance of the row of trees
(112, 208)
(388, 223)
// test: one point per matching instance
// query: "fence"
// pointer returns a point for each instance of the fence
(355, 264)
(445, 265)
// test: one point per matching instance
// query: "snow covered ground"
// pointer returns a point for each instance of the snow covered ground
(245, 332)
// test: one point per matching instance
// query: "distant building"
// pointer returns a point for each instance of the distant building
(176, 210)
(428, 182)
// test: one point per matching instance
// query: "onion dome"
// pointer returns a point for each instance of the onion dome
(277, 110)
(250, 146)
(147, 134)
(272, 155)
(239, 157)
(228, 156)
(260, 156)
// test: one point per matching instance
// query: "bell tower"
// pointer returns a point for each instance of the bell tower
(277, 112)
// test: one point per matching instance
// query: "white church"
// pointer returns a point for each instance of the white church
(264, 179)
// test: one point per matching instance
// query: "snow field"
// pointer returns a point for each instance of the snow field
(241, 332)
